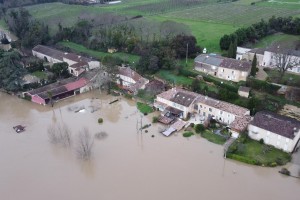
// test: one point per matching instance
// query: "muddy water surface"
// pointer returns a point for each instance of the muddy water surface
(126, 164)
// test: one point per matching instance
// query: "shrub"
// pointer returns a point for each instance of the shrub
(154, 119)
(100, 120)
(128, 96)
(243, 159)
(261, 141)
(188, 134)
(285, 171)
(199, 128)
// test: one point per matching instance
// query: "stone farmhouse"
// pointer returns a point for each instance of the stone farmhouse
(130, 80)
(77, 64)
(266, 57)
(279, 131)
(222, 67)
(182, 103)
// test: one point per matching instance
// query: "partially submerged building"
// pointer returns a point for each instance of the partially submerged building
(181, 103)
(279, 131)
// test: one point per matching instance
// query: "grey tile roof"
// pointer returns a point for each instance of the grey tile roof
(240, 65)
(210, 59)
(183, 98)
(281, 125)
(49, 52)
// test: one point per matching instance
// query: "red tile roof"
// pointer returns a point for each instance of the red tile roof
(76, 85)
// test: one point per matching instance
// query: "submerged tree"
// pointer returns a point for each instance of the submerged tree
(84, 144)
(60, 135)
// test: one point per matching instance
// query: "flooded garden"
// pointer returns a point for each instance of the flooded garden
(125, 162)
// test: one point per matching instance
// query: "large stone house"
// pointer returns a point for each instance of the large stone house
(279, 131)
(130, 80)
(266, 57)
(222, 67)
(77, 64)
(184, 103)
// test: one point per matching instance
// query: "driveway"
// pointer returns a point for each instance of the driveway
(261, 74)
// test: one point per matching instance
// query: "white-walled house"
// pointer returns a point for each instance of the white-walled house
(236, 117)
(177, 101)
(48, 54)
(184, 103)
(129, 79)
(77, 64)
(222, 67)
(279, 131)
(267, 57)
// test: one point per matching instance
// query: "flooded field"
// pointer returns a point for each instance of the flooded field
(126, 164)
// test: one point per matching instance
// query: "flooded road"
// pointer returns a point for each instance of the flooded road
(126, 164)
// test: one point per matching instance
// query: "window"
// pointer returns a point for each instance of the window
(210, 109)
(221, 112)
(200, 106)
(195, 107)
(223, 70)
(232, 72)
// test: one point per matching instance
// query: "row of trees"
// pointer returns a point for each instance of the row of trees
(261, 29)
(11, 71)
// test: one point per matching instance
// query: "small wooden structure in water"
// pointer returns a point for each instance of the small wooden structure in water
(177, 126)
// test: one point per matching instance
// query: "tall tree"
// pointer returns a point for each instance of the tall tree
(253, 67)
(230, 51)
(284, 60)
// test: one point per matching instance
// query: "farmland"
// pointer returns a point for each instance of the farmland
(207, 20)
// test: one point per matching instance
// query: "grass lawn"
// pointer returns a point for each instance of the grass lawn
(144, 108)
(98, 54)
(277, 38)
(288, 78)
(172, 78)
(252, 152)
(207, 34)
(39, 74)
(288, 4)
(217, 139)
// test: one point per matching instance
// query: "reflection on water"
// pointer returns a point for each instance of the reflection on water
(127, 164)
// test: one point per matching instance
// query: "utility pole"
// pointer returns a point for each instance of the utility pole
(187, 51)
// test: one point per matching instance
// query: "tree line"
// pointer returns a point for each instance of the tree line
(256, 31)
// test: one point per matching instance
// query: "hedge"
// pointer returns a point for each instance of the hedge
(187, 73)
(232, 88)
(243, 159)
(262, 85)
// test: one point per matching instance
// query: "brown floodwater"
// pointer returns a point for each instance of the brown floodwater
(126, 164)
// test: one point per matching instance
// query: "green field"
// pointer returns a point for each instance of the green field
(98, 54)
(237, 15)
(206, 19)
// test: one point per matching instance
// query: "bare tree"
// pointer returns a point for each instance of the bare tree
(60, 134)
(84, 144)
(284, 60)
